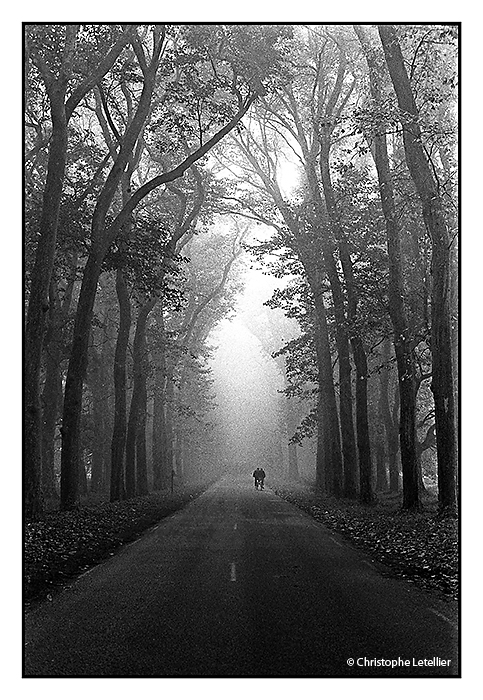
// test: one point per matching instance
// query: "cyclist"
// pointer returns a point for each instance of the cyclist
(259, 476)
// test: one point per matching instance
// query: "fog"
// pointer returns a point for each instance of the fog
(248, 382)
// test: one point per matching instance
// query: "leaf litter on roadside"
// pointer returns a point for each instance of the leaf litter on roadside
(65, 544)
(416, 546)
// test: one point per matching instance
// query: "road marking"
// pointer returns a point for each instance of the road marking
(443, 617)
(233, 572)
(235, 526)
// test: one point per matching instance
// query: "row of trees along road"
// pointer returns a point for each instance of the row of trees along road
(148, 150)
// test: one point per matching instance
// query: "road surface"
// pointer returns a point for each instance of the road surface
(240, 583)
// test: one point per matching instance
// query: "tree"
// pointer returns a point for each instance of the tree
(403, 340)
(434, 218)
(104, 232)
(290, 223)
(327, 116)
(56, 67)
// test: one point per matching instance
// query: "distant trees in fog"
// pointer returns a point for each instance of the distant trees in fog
(149, 150)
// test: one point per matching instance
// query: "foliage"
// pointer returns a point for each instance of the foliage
(207, 72)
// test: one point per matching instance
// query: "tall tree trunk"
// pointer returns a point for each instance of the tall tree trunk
(349, 452)
(402, 335)
(83, 486)
(102, 237)
(61, 112)
(39, 304)
(95, 381)
(360, 360)
(329, 469)
(449, 166)
(136, 405)
(106, 400)
(179, 465)
(142, 485)
(161, 474)
(131, 437)
(117, 491)
(381, 467)
(52, 394)
(169, 458)
(347, 432)
(278, 451)
(291, 426)
(97, 464)
(433, 215)
(51, 400)
(362, 421)
(293, 468)
(393, 461)
(136, 472)
(71, 421)
(387, 417)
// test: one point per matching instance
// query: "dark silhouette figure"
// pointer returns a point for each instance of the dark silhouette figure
(259, 476)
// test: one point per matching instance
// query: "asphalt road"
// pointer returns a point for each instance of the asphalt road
(239, 583)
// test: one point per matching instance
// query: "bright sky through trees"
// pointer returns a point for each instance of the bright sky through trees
(246, 379)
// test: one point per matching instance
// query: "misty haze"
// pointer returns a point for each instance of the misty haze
(241, 351)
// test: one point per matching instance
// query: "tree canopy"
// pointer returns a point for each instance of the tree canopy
(161, 162)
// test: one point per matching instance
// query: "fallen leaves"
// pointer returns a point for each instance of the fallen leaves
(63, 545)
(416, 546)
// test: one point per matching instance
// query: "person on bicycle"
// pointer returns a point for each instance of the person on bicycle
(259, 476)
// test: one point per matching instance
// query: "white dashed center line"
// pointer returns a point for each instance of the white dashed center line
(233, 572)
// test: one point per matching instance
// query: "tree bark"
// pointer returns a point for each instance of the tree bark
(39, 304)
(161, 472)
(142, 485)
(179, 466)
(136, 473)
(52, 392)
(381, 467)
(349, 452)
(61, 111)
(289, 424)
(169, 458)
(366, 492)
(329, 467)
(100, 245)
(102, 239)
(71, 420)
(388, 420)
(402, 336)
(117, 490)
(433, 215)
(345, 383)
(95, 381)
(51, 400)
(362, 421)
(293, 469)
(97, 464)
